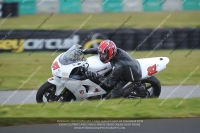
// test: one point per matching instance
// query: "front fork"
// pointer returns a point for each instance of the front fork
(59, 83)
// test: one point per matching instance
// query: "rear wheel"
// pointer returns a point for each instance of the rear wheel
(152, 84)
(152, 89)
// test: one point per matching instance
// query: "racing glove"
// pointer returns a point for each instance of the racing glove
(91, 75)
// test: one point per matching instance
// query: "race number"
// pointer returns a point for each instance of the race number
(55, 65)
(81, 92)
(151, 70)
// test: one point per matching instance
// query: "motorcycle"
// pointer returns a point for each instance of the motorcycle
(70, 83)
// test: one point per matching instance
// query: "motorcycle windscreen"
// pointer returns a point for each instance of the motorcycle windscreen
(73, 55)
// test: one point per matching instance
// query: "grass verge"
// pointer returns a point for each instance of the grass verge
(108, 109)
(104, 20)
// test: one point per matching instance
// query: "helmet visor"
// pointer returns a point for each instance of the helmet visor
(103, 56)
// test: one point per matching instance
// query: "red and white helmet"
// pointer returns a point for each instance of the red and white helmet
(107, 50)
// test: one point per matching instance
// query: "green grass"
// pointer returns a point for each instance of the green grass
(104, 20)
(129, 109)
(19, 70)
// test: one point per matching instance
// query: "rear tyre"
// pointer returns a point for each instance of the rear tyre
(152, 84)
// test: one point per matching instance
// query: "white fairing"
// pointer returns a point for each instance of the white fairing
(77, 86)
(82, 89)
(96, 65)
(159, 63)
(65, 70)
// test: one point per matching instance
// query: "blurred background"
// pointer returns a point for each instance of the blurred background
(126, 17)
(34, 32)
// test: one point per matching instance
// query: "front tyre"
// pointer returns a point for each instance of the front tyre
(46, 93)
(47, 90)
(152, 84)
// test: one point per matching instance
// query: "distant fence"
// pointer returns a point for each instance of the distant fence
(100, 6)
(127, 39)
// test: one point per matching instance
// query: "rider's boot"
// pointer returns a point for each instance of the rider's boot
(135, 86)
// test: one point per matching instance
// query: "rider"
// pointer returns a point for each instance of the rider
(123, 66)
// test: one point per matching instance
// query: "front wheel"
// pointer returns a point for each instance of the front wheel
(46, 93)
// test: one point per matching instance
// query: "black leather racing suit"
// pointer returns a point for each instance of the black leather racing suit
(125, 67)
